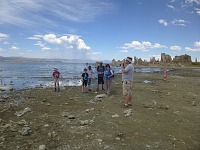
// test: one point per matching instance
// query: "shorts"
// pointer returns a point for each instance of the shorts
(89, 81)
(100, 80)
(127, 87)
(84, 83)
(56, 80)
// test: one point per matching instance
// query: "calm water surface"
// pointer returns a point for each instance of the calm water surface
(21, 75)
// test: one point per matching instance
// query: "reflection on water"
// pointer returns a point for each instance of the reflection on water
(21, 75)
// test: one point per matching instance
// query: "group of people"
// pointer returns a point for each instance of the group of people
(105, 72)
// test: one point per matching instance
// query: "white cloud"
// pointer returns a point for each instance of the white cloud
(124, 51)
(96, 53)
(46, 48)
(192, 49)
(179, 22)
(40, 44)
(18, 12)
(195, 49)
(14, 48)
(3, 36)
(175, 48)
(193, 1)
(194, 4)
(67, 40)
(6, 43)
(163, 22)
(143, 46)
(197, 44)
(197, 11)
(175, 22)
(35, 37)
(171, 7)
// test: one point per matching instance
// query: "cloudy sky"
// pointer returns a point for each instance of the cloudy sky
(99, 29)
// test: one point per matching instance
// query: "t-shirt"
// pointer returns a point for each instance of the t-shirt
(56, 74)
(108, 73)
(90, 72)
(100, 70)
(128, 74)
(85, 76)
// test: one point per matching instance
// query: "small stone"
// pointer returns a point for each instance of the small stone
(71, 117)
(26, 131)
(42, 147)
(115, 116)
(100, 140)
(46, 125)
(87, 110)
(117, 138)
(85, 122)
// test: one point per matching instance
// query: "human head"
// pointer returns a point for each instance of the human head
(85, 70)
(55, 69)
(89, 68)
(107, 65)
(101, 63)
(129, 59)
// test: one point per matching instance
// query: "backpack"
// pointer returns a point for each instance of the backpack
(113, 73)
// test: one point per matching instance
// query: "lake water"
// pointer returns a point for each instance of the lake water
(22, 75)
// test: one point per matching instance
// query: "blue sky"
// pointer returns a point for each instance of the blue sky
(99, 29)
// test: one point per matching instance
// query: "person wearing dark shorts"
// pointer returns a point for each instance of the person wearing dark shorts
(100, 72)
(84, 78)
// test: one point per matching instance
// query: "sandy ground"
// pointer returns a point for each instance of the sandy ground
(165, 115)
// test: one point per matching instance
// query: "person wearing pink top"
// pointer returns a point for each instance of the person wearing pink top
(56, 76)
(165, 73)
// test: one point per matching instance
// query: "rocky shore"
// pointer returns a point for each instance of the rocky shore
(165, 115)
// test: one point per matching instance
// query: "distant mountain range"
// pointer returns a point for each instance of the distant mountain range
(24, 59)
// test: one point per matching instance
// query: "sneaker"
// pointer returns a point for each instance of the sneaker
(129, 104)
(89, 90)
(125, 106)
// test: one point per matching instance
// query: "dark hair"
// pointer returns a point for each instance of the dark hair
(89, 67)
(85, 69)
(107, 65)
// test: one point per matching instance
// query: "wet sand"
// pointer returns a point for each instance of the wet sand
(165, 115)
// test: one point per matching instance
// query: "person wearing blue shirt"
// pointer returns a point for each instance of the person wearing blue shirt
(108, 74)
(84, 78)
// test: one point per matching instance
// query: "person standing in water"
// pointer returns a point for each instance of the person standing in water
(56, 76)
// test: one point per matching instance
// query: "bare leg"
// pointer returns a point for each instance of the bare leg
(55, 86)
(82, 88)
(58, 86)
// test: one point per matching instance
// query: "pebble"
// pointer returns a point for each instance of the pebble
(46, 125)
(117, 138)
(115, 116)
(21, 113)
(71, 117)
(26, 131)
(42, 147)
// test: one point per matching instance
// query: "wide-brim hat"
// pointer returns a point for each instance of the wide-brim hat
(55, 68)
(129, 59)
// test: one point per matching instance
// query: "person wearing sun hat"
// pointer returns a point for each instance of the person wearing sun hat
(127, 79)
(56, 76)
